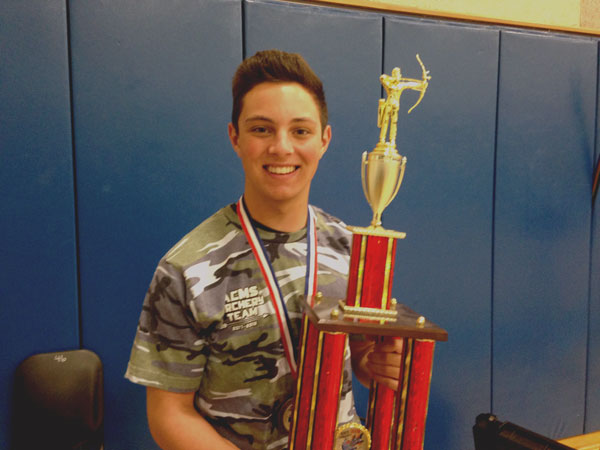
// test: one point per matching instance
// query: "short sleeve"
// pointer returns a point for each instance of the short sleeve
(169, 351)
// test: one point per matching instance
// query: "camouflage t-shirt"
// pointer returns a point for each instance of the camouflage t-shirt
(208, 324)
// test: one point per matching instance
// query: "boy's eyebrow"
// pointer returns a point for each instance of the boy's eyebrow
(267, 119)
(258, 117)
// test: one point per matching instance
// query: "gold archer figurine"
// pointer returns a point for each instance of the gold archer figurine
(382, 170)
(394, 84)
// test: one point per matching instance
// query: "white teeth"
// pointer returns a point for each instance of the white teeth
(281, 170)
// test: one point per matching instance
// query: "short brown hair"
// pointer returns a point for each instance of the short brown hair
(275, 66)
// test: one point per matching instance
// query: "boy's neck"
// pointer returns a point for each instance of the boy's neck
(281, 216)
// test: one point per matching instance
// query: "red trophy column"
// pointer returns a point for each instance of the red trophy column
(320, 374)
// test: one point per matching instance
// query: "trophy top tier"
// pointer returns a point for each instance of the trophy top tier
(383, 168)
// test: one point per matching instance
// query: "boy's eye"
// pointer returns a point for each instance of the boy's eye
(259, 130)
(302, 131)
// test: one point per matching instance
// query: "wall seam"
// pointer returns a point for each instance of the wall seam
(493, 230)
(74, 168)
(243, 23)
(383, 24)
(591, 256)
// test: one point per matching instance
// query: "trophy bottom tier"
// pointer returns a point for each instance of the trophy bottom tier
(395, 419)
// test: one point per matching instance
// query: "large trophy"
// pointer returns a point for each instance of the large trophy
(395, 419)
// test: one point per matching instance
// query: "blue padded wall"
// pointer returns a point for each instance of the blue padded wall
(443, 267)
(502, 247)
(38, 284)
(545, 143)
(345, 50)
(593, 375)
(593, 357)
(152, 101)
(351, 83)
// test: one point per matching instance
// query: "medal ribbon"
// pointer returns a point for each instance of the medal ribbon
(268, 273)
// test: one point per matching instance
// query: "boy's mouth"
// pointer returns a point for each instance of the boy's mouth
(280, 170)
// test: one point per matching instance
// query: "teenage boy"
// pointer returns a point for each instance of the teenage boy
(217, 337)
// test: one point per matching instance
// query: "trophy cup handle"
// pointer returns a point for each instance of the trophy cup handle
(363, 175)
(400, 178)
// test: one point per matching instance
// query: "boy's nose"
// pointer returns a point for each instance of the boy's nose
(281, 144)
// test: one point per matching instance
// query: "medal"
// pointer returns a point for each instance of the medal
(352, 436)
(284, 417)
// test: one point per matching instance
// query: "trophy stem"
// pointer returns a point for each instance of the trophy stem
(376, 222)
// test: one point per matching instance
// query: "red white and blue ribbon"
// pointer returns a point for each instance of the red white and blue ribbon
(268, 273)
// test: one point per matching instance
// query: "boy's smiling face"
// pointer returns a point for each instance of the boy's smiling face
(280, 141)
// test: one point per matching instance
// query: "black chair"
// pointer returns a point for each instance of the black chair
(491, 434)
(58, 402)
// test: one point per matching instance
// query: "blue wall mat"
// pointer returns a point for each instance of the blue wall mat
(38, 284)
(151, 101)
(545, 141)
(151, 84)
(592, 422)
(593, 388)
(344, 49)
(443, 267)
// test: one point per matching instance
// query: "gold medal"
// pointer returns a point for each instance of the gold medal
(352, 436)
(285, 415)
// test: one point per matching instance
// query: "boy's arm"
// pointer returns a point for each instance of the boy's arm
(176, 425)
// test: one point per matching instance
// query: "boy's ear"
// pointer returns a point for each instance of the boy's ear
(233, 137)
(325, 139)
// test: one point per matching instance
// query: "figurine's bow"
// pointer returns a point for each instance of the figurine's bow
(423, 88)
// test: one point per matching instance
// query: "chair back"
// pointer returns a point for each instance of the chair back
(58, 402)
